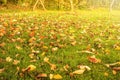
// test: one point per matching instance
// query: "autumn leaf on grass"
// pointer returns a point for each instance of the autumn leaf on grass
(8, 59)
(54, 49)
(106, 74)
(116, 68)
(57, 76)
(15, 62)
(117, 48)
(84, 67)
(29, 68)
(2, 44)
(93, 59)
(66, 67)
(112, 64)
(53, 66)
(18, 47)
(80, 71)
(2, 70)
(42, 75)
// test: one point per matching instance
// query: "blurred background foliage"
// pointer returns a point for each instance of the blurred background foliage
(61, 4)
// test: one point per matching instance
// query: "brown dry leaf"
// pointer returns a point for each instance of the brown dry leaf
(66, 67)
(29, 68)
(93, 59)
(18, 47)
(116, 68)
(53, 66)
(112, 64)
(31, 55)
(15, 62)
(8, 59)
(42, 75)
(2, 44)
(57, 76)
(73, 43)
(2, 70)
(54, 49)
(81, 71)
(114, 72)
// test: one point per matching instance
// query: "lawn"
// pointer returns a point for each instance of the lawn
(84, 45)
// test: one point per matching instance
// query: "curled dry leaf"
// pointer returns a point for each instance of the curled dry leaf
(84, 67)
(8, 59)
(2, 70)
(66, 67)
(2, 44)
(81, 71)
(53, 66)
(116, 68)
(29, 68)
(112, 64)
(46, 59)
(54, 49)
(15, 62)
(51, 76)
(93, 59)
(42, 75)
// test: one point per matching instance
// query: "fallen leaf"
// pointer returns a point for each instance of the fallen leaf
(15, 62)
(2, 44)
(81, 71)
(116, 68)
(51, 76)
(93, 59)
(8, 59)
(114, 72)
(2, 70)
(53, 66)
(66, 67)
(106, 74)
(54, 49)
(46, 59)
(29, 68)
(42, 75)
(57, 76)
(84, 67)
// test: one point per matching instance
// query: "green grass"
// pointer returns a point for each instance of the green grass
(99, 29)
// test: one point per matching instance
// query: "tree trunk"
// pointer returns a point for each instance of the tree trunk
(42, 3)
(111, 5)
(35, 4)
(71, 5)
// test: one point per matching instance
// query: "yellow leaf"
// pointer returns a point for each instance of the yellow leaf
(31, 67)
(57, 76)
(114, 72)
(53, 66)
(117, 48)
(46, 59)
(106, 74)
(81, 71)
(8, 59)
(51, 76)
